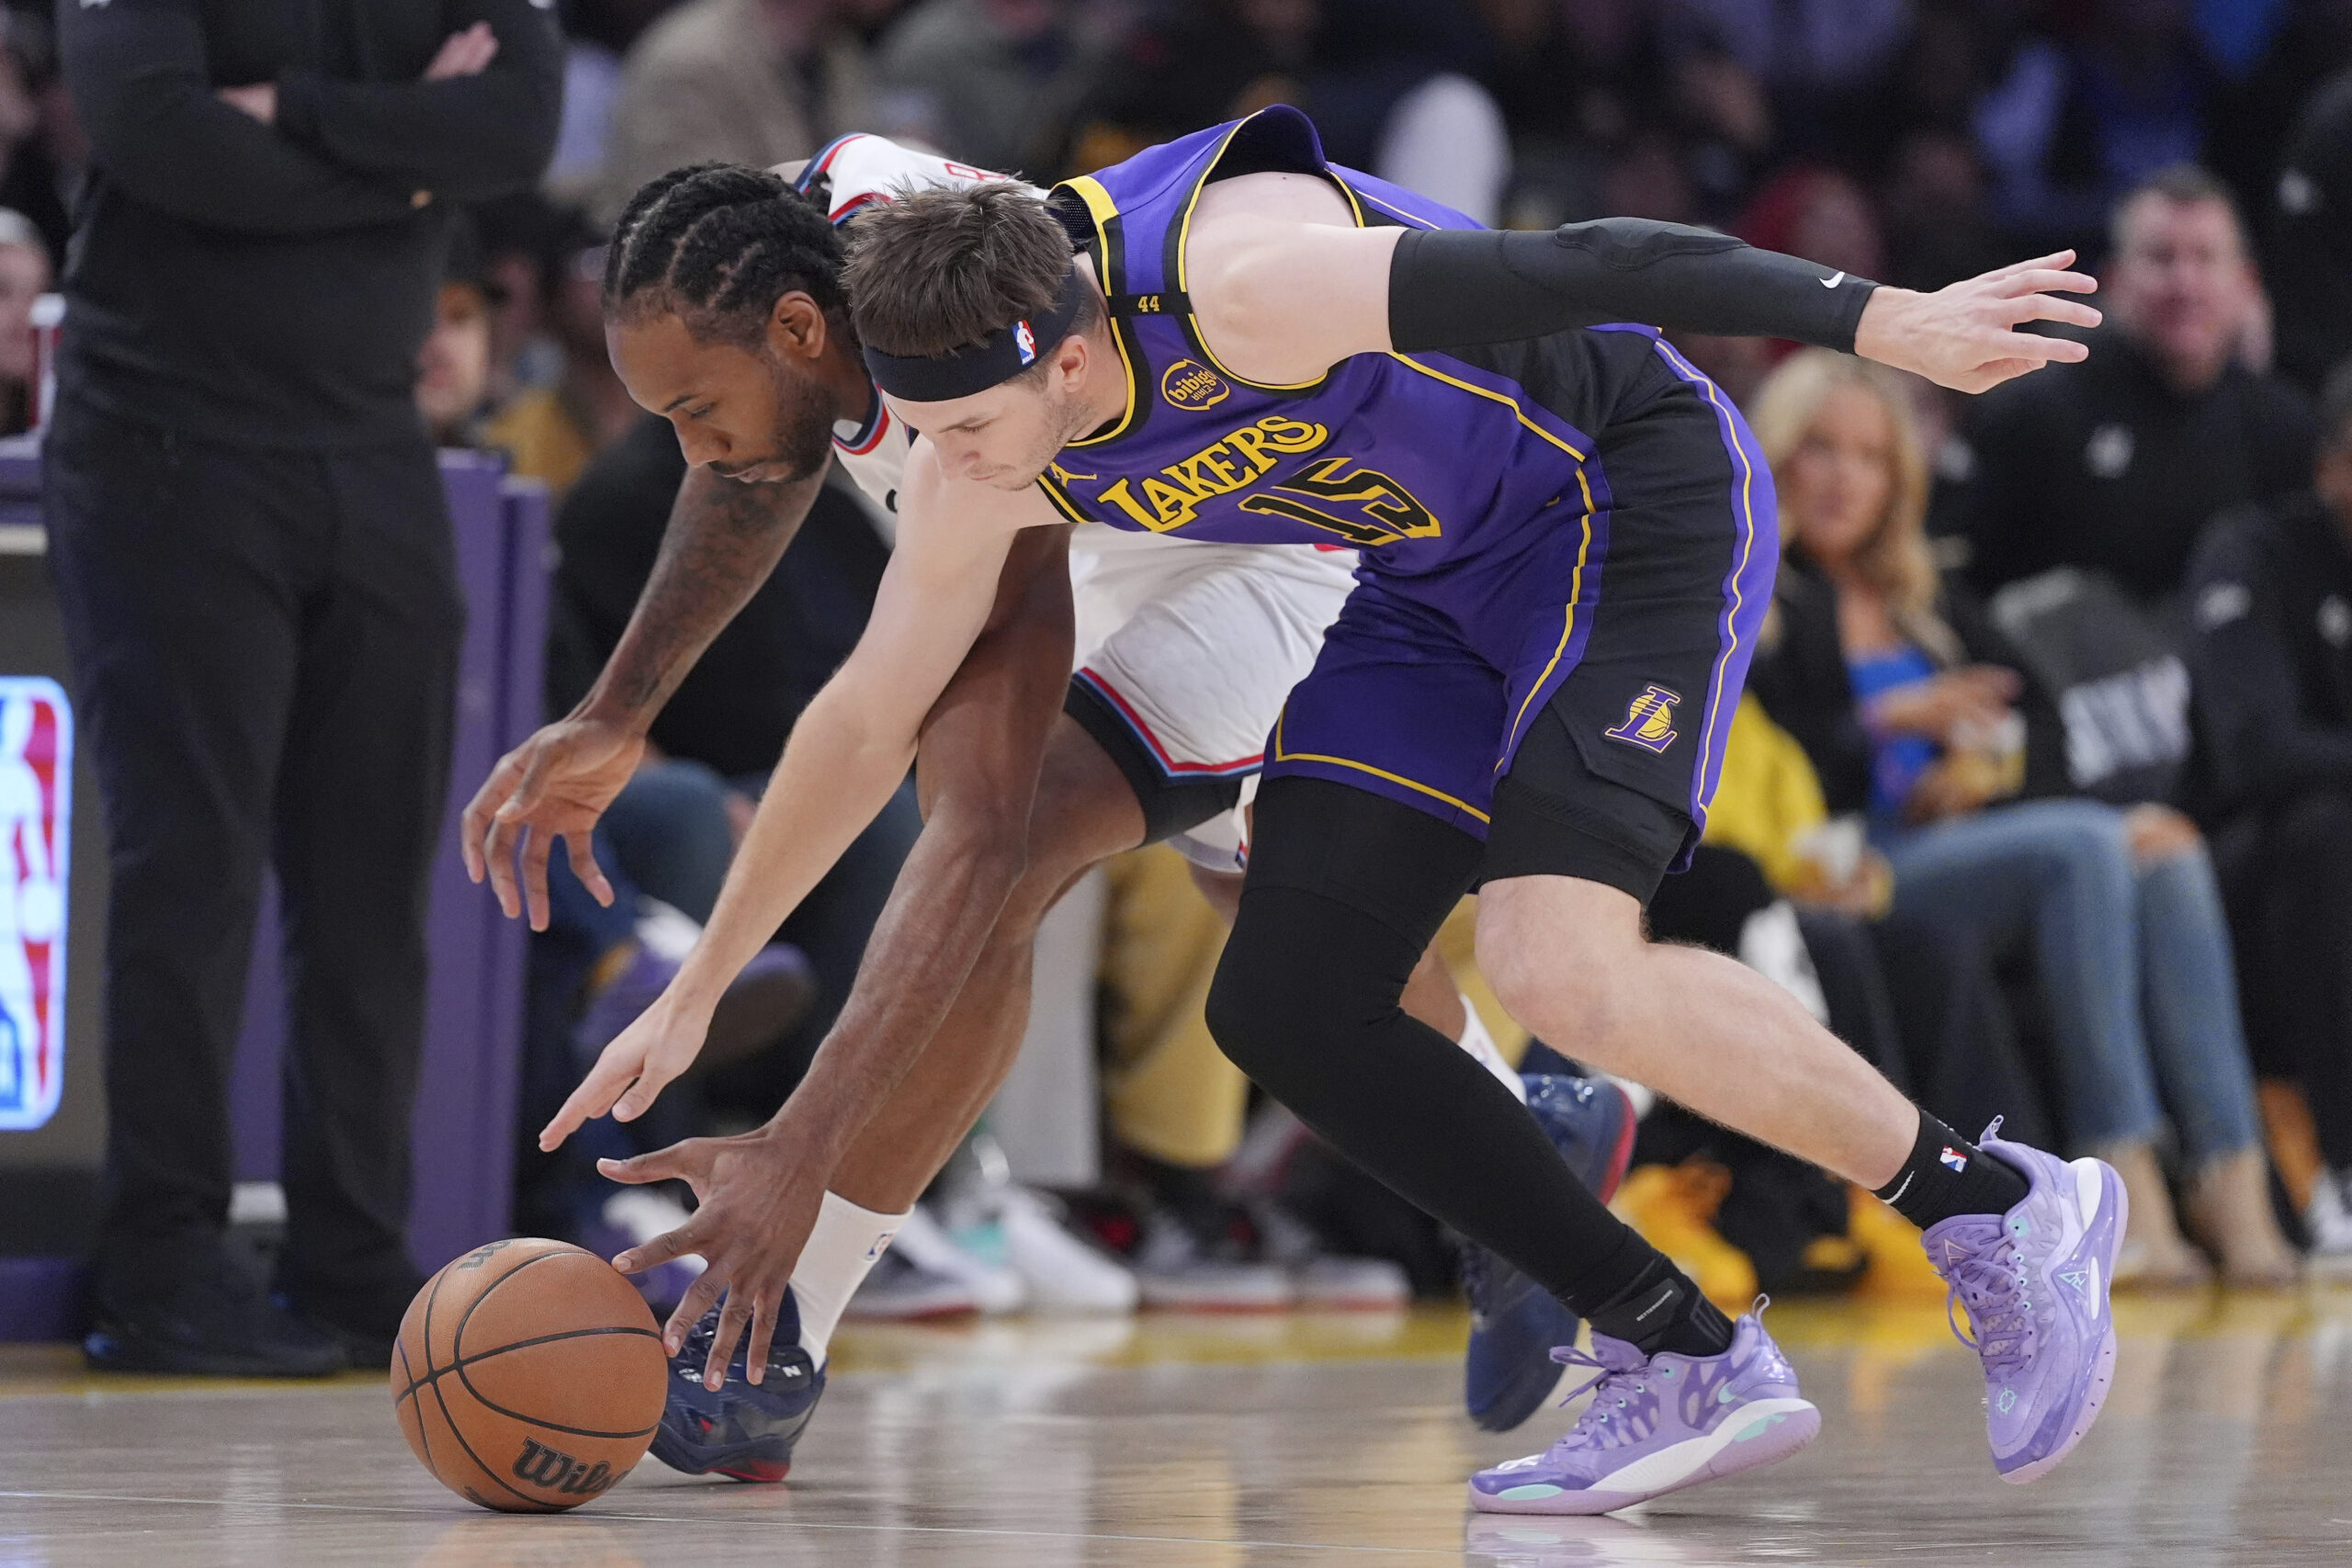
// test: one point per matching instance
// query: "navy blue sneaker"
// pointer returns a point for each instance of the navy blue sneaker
(745, 1431)
(1514, 1322)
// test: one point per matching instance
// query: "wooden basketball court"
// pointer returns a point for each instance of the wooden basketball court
(1213, 1443)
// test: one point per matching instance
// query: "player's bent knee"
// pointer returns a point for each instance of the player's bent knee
(1300, 979)
(1562, 973)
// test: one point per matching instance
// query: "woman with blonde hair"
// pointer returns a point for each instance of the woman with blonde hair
(1915, 710)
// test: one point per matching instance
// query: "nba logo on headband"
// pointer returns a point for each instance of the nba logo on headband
(1026, 341)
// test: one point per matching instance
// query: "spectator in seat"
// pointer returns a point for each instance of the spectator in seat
(755, 82)
(453, 367)
(550, 432)
(24, 277)
(2270, 651)
(1915, 994)
(2310, 251)
(2117, 462)
(1913, 708)
(993, 81)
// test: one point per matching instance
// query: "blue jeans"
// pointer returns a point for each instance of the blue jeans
(2135, 963)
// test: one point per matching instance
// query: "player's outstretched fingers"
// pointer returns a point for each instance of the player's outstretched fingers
(763, 1313)
(734, 1319)
(584, 1104)
(2044, 280)
(476, 823)
(2054, 308)
(2037, 349)
(653, 1076)
(688, 1161)
(498, 861)
(2055, 260)
(700, 1297)
(537, 846)
(580, 849)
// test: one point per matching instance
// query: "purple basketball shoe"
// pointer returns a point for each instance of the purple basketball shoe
(1657, 1424)
(2034, 1282)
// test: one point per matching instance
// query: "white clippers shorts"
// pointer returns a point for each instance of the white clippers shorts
(1187, 651)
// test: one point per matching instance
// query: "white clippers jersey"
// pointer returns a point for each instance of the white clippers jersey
(849, 176)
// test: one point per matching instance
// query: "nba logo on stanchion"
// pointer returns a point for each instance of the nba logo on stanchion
(36, 814)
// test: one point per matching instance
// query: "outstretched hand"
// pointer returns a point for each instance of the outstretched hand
(642, 1060)
(758, 1195)
(1965, 335)
(555, 785)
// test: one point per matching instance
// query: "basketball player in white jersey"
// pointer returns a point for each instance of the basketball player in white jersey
(1187, 651)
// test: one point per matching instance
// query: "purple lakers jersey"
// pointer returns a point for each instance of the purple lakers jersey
(1445, 473)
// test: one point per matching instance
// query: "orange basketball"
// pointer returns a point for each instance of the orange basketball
(529, 1376)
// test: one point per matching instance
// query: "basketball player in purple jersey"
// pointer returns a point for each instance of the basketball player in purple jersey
(1185, 657)
(1567, 543)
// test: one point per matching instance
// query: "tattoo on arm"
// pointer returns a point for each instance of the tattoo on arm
(723, 539)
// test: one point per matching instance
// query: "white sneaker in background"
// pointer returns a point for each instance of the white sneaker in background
(925, 1242)
(2328, 1218)
(1063, 1272)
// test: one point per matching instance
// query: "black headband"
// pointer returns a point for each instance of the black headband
(1002, 354)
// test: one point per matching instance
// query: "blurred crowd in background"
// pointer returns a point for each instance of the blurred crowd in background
(2042, 797)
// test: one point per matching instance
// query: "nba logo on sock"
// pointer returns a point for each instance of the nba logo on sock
(1026, 341)
(1955, 1159)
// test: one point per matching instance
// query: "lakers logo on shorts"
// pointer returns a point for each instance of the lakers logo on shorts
(1649, 720)
(1193, 386)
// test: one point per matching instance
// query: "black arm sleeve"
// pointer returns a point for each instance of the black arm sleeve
(467, 138)
(137, 73)
(1453, 287)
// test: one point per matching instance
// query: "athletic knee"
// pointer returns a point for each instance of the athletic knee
(1564, 979)
(1300, 977)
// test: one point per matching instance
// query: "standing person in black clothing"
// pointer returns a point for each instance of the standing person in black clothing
(2270, 651)
(252, 556)
(2116, 462)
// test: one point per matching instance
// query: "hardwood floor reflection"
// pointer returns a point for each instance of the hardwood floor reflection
(1216, 1443)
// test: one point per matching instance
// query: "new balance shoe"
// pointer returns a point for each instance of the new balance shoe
(1515, 1323)
(745, 1431)
(2035, 1284)
(1657, 1424)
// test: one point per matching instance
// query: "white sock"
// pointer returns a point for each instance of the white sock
(847, 1241)
(1481, 1044)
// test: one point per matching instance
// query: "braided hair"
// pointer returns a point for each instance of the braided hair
(719, 245)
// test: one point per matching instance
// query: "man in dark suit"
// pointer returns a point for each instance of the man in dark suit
(254, 558)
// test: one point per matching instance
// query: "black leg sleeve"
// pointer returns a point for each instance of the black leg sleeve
(1345, 890)
(1455, 287)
